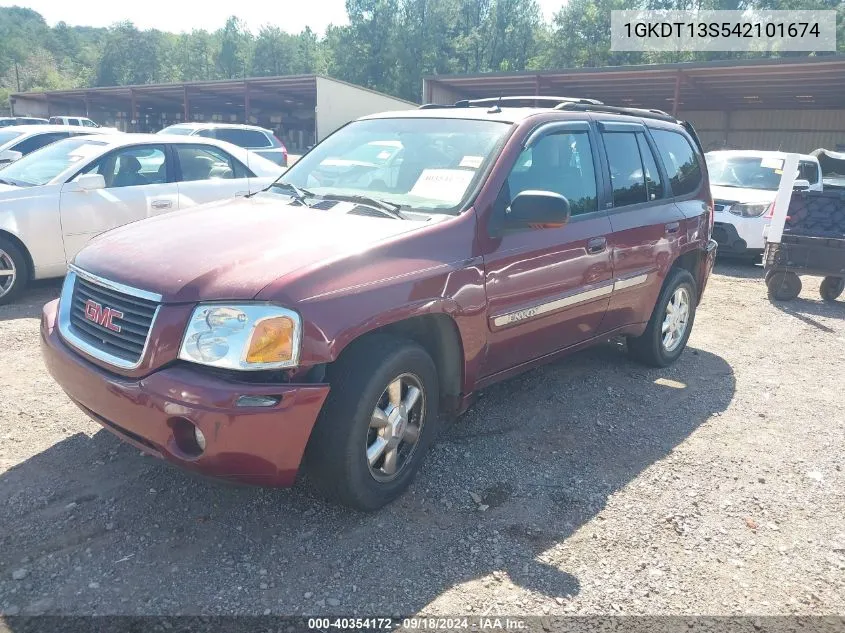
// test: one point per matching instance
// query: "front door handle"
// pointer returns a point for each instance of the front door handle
(161, 204)
(673, 227)
(596, 245)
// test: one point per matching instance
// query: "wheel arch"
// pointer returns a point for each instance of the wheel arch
(691, 261)
(438, 333)
(14, 239)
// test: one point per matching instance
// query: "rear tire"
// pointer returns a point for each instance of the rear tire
(831, 288)
(14, 271)
(674, 313)
(362, 415)
(783, 285)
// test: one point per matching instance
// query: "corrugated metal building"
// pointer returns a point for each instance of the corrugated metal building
(299, 109)
(792, 104)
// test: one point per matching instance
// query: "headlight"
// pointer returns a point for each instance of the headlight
(242, 336)
(751, 210)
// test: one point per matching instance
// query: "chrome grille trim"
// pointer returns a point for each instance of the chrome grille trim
(67, 325)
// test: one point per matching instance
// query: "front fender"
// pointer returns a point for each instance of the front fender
(331, 323)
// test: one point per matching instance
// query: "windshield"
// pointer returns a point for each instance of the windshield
(40, 167)
(177, 129)
(752, 172)
(8, 135)
(426, 164)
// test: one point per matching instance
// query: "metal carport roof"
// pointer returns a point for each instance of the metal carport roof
(734, 84)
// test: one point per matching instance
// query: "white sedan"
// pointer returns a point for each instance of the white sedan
(54, 200)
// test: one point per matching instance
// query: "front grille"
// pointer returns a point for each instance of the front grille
(134, 322)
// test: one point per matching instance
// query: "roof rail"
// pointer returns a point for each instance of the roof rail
(504, 101)
(659, 115)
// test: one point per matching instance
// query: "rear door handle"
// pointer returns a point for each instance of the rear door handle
(161, 204)
(596, 245)
(673, 227)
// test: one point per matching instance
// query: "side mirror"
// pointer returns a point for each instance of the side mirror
(9, 156)
(801, 185)
(537, 209)
(89, 182)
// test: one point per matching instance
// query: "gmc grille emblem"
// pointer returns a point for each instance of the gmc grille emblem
(102, 315)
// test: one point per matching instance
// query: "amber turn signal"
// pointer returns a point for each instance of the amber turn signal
(272, 341)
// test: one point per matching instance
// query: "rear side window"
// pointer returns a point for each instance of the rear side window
(627, 175)
(809, 171)
(680, 161)
(653, 183)
(243, 138)
(38, 141)
(198, 162)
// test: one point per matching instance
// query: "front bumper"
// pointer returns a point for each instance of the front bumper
(256, 445)
(739, 236)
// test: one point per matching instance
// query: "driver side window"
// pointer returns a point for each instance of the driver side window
(561, 163)
(132, 166)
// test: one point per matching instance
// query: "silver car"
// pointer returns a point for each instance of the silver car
(261, 141)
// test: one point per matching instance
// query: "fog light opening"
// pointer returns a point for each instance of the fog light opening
(188, 437)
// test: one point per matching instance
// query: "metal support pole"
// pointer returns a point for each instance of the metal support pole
(677, 98)
(246, 102)
(186, 104)
(133, 110)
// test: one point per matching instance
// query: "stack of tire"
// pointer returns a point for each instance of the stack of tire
(817, 215)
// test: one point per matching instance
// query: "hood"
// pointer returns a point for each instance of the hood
(230, 250)
(741, 194)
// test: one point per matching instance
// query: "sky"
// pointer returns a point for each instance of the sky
(184, 15)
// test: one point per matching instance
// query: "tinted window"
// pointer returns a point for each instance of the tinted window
(653, 183)
(88, 123)
(132, 166)
(243, 138)
(74, 122)
(38, 141)
(809, 171)
(562, 163)
(680, 161)
(8, 135)
(626, 168)
(207, 163)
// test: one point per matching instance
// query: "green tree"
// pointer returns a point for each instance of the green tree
(233, 55)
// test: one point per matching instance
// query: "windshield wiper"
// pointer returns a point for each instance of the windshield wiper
(299, 194)
(3, 181)
(390, 209)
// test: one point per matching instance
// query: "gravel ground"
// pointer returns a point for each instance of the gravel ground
(592, 485)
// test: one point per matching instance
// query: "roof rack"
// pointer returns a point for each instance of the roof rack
(660, 115)
(559, 103)
(500, 101)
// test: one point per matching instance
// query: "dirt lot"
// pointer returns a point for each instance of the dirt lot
(713, 487)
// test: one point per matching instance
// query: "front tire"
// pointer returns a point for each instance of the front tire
(14, 271)
(669, 328)
(378, 422)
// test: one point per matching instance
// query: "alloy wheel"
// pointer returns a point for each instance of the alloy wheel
(676, 320)
(8, 273)
(395, 427)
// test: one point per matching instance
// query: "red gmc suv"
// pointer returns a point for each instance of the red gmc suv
(407, 261)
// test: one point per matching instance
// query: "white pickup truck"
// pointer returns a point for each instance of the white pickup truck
(744, 184)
